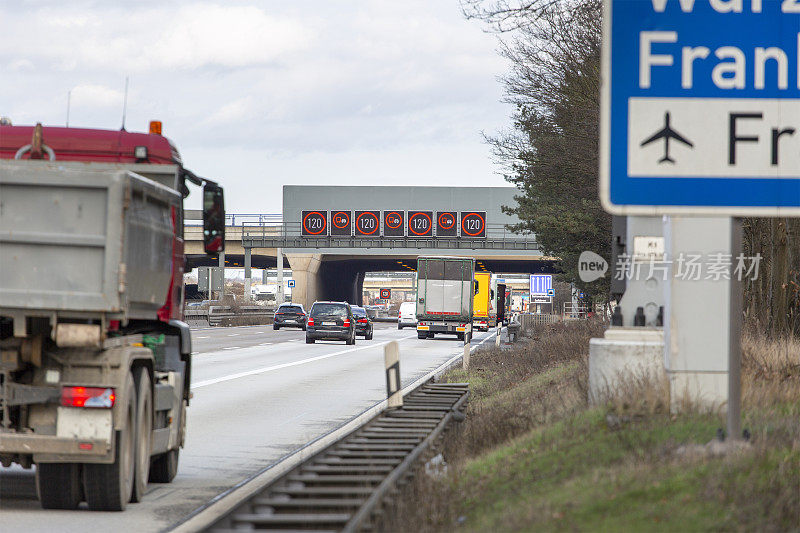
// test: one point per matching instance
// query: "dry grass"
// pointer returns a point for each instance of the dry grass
(533, 455)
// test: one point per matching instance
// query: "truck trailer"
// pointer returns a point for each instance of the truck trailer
(95, 359)
(445, 289)
(484, 315)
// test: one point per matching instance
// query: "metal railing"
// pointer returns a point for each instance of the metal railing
(253, 219)
(289, 235)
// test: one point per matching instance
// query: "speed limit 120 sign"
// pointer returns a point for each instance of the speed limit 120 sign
(314, 223)
(473, 224)
(420, 223)
(368, 223)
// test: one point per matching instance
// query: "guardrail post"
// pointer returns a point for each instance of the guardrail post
(497, 337)
(391, 360)
(465, 357)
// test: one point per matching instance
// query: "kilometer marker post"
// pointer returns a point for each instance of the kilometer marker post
(391, 360)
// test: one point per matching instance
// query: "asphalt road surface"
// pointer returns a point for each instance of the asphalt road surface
(259, 394)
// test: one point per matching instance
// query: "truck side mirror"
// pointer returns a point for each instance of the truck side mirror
(213, 219)
(475, 287)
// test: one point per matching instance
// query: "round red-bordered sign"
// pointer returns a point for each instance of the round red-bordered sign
(377, 224)
(399, 220)
(482, 228)
(345, 215)
(411, 229)
(321, 216)
(452, 221)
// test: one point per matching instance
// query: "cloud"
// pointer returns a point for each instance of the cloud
(96, 95)
(294, 89)
(163, 37)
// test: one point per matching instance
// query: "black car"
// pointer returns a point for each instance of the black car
(331, 320)
(363, 322)
(292, 315)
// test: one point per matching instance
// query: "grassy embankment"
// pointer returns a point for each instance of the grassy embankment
(532, 455)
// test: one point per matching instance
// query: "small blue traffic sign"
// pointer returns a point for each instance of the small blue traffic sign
(541, 284)
(700, 107)
(290, 283)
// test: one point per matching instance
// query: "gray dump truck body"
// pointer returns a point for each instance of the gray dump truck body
(92, 380)
(444, 295)
(78, 241)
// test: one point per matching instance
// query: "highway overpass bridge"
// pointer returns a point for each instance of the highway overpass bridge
(330, 236)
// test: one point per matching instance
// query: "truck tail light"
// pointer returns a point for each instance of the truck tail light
(310, 321)
(362, 320)
(88, 397)
(346, 323)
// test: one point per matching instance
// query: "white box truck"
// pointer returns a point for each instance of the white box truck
(445, 289)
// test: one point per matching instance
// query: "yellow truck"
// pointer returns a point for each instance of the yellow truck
(484, 315)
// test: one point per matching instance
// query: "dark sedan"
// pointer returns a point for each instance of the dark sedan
(363, 322)
(331, 320)
(291, 315)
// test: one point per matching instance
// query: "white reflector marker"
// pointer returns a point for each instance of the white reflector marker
(391, 359)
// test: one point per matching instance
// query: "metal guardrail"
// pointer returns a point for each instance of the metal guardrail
(343, 487)
(289, 235)
(217, 314)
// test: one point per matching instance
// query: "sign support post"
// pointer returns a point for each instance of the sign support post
(279, 264)
(703, 316)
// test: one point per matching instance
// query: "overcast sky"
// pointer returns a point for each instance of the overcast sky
(261, 94)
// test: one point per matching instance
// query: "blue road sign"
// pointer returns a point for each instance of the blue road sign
(291, 283)
(541, 284)
(701, 107)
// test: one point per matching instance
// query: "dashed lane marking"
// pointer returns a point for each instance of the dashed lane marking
(264, 370)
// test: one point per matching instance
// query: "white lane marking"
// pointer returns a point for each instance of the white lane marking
(233, 334)
(281, 366)
(195, 353)
(258, 333)
(231, 348)
(202, 337)
(265, 344)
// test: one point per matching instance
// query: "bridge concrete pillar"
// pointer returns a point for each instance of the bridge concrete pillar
(247, 273)
(305, 272)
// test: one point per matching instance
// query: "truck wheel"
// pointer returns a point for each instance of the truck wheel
(460, 336)
(276, 326)
(368, 336)
(422, 335)
(144, 430)
(399, 325)
(59, 485)
(110, 487)
(165, 467)
(309, 340)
